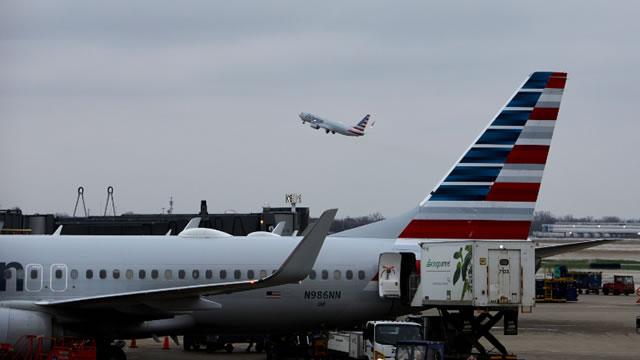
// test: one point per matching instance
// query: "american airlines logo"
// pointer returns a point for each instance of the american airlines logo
(437, 264)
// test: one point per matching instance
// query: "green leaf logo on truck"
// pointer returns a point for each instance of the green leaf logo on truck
(463, 269)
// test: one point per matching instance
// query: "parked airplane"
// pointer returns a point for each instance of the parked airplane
(331, 126)
(204, 280)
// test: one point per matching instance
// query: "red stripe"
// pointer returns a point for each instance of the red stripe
(504, 191)
(467, 229)
(544, 114)
(528, 154)
(556, 83)
(557, 80)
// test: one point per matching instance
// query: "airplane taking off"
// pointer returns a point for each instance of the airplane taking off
(331, 126)
(205, 281)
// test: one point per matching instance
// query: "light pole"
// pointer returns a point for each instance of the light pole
(293, 199)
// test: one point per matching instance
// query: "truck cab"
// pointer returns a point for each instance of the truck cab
(622, 284)
(381, 337)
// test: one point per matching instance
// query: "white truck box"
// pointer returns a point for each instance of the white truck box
(481, 273)
(339, 341)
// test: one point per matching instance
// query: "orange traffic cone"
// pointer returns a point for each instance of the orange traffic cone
(165, 343)
(133, 344)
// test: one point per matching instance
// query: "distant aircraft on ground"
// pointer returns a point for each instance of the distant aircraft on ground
(331, 126)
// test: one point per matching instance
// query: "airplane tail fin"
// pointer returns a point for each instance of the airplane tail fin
(360, 127)
(491, 191)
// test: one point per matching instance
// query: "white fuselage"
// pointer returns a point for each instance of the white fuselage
(334, 300)
(332, 126)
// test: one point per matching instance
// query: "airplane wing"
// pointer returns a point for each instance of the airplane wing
(295, 268)
(552, 250)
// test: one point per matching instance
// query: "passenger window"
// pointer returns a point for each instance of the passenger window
(325, 274)
(142, 274)
(74, 274)
(361, 275)
(129, 274)
(181, 274)
(223, 274)
(34, 274)
(103, 274)
(349, 274)
(251, 275)
(58, 274)
(116, 274)
(337, 275)
(263, 274)
(89, 274)
(195, 274)
(168, 274)
(237, 274)
(312, 275)
(208, 274)
(154, 274)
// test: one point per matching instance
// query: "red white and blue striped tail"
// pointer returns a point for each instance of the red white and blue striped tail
(359, 129)
(492, 190)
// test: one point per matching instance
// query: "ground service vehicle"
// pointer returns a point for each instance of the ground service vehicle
(377, 341)
(587, 282)
(419, 350)
(622, 284)
(498, 274)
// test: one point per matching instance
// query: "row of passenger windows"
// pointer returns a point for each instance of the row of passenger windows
(182, 274)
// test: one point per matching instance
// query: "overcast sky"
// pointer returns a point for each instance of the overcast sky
(199, 100)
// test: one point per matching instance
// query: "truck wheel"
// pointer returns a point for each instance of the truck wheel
(228, 348)
(605, 291)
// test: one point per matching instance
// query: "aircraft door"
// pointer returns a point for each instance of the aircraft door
(389, 275)
(58, 277)
(504, 276)
(33, 276)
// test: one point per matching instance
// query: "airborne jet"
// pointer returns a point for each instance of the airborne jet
(207, 281)
(332, 126)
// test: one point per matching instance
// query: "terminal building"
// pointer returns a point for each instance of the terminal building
(590, 230)
(13, 221)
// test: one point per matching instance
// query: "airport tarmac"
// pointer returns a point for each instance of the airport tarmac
(595, 327)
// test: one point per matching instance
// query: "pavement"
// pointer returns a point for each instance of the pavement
(596, 327)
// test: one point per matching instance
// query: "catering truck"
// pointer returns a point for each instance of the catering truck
(376, 342)
(478, 274)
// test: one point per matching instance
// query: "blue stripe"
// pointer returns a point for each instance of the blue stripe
(512, 118)
(460, 193)
(486, 155)
(538, 80)
(500, 137)
(474, 174)
(524, 99)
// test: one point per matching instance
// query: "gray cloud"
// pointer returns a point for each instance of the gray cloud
(200, 100)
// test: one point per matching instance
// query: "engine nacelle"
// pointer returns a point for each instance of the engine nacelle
(315, 126)
(14, 324)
